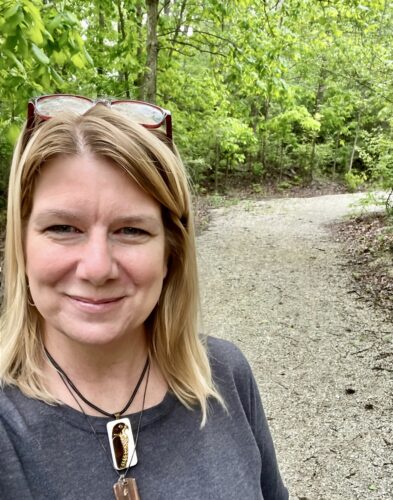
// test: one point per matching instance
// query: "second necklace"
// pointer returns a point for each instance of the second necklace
(121, 439)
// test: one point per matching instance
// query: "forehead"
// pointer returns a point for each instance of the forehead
(89, 182)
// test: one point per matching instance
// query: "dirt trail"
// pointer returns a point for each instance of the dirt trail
(273, 282)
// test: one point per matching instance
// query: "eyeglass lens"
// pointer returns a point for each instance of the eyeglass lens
(139, 112)
(50, 106)
(135, 111)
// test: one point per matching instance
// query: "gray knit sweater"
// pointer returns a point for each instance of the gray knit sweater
(50, 452)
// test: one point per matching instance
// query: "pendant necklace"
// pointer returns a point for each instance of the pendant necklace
(121, 440)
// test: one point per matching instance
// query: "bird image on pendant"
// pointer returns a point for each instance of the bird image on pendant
(121, 444)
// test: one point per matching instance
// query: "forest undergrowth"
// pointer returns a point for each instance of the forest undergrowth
(368, 241)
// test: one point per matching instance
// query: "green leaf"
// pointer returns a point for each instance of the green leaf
(46, 81)
(55, 23)
(79, 40)
(48, 35)
(39, 54)
(12, 23)
(35, 35)
(12, 56)
(11, 11)
(33, 11)
(78, 61)
(12, 133)
(11, 42)
(57, 78)
(71, 18)
(59, 57)
(88, 57)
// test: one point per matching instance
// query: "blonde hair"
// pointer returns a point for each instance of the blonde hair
(174, 341)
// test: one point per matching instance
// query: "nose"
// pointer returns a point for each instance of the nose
(96, 262)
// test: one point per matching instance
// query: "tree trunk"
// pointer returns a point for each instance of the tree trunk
(336, 145)
(266, 109)
(227, 165)
(355, 142)
(389, 203)
(177, 29)
(139, 51)
(281, 161)
(216, 166)
(150, 83)
(319, 94)
(101, 28)
(124, 75)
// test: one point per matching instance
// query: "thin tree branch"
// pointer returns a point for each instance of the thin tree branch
(194, 47)
(196, 43)
(176, 50)
(164, 6)
(224, 39)
(213, 35)
(388, 203)
(178, 26)
(267, 20)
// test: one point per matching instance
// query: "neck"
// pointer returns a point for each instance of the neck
(105, 375)
(95, 363)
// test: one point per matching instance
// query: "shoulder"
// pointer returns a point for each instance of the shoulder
(231, 371)
(225, 356)
(222, 348)
(12, 422)
(8, 398)
(233, 378)
(17, 411)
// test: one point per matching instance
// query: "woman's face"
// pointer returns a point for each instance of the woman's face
(94, 249)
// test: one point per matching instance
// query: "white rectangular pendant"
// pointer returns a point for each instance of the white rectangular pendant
(121, 443)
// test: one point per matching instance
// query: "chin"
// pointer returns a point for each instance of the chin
(94, 336)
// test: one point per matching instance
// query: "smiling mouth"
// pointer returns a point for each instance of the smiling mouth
(95, 302)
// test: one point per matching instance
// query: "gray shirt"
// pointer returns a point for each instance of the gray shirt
(50, 452)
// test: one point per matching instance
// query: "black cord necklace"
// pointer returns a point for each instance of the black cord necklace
(103, 412)
(119, 433)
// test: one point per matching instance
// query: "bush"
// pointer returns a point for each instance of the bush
(354, 180)
(377, 155)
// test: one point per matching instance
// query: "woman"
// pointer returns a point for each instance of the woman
(108, 390)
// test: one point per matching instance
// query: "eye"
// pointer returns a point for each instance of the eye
(133, 231)
(62, 229)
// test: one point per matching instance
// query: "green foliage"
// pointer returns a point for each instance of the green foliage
(260, 90)
(40, 48)
(218, 201)
(377, 154)
(5, 153)
(381, 199)
(284, 185)
(294, 122)
(235, 139)
(257, 188)
(355, 180)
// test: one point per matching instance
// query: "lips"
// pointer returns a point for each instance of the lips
(88, 300)
(95, 305)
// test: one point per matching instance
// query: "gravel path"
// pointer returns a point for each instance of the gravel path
(274, 282)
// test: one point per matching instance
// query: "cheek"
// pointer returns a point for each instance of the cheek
(45, 265)
(35, 259)
(147, 267)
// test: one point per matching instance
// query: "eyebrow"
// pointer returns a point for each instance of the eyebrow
(137, 219)
(75, 217)
(61, 214)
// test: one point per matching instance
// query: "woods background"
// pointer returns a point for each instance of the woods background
(276, 90)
